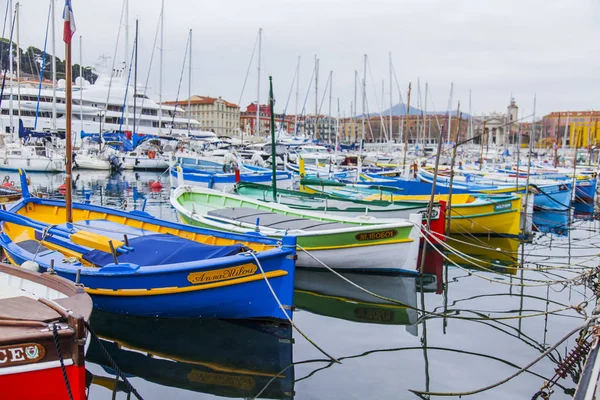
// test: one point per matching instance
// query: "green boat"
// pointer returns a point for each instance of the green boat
(325, 203)
(359, 243)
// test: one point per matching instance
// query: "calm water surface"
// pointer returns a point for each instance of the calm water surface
(383, 348)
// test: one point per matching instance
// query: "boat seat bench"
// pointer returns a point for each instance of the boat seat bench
(274, 220)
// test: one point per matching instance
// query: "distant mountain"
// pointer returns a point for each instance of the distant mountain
(400, 110)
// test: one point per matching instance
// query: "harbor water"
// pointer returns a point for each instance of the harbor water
(500, 316)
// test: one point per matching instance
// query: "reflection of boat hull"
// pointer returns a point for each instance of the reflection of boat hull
(494, 253)
(223, 358)
(548, 221)
(324, 293)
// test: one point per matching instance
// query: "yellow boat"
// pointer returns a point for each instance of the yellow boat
(475, 214)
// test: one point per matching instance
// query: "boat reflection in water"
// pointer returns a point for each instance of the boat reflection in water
(498, 254)
(322, 292)
(239, 359)
(584, 211)
(549, 221)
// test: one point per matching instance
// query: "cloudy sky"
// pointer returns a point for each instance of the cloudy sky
(490, 47)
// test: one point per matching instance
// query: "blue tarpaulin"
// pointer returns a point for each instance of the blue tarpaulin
(161, 249)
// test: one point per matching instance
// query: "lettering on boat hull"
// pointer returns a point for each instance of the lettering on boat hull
(378, 235)
(17, 354)
(222, 274)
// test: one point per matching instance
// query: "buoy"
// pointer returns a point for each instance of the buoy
(156, 186)
(31, 266)
(62, 188)
(237, 175)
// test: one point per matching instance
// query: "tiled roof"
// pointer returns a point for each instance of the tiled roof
(200, 100)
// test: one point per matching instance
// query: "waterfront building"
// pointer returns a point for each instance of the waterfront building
(248, 121)
(501, 129)
(564, 127)
(214, 114)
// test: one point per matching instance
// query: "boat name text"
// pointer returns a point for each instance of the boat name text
(17, 354)
(222, 274)
(379, 235)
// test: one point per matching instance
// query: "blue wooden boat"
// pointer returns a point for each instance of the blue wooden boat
(133, 263)
(185, 175)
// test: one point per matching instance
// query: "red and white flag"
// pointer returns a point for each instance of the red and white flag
(69, 22)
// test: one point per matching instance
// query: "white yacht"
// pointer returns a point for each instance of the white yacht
(96, 107)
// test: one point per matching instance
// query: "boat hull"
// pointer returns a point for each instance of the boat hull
(49, 382)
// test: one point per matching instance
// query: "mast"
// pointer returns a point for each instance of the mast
(52, 17)
(18, 64)
(329, 112)
(364, 99)
(450, 112)
(127, 66)
(353, 110)
(391, 102)
(189, 113)
(405, 134)
(160, 68)
(257, 124)
(69, 29)
(297, 94)
(470, 126)
(273, 150)
(425, 117)
(80, 85)
(135, 70)
(10, 62)
(316, 131)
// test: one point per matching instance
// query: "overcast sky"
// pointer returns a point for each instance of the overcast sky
(491, 47)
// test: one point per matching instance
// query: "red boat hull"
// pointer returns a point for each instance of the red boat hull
(43, 384)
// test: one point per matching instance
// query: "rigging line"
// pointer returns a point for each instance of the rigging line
(112, 71)
(249, 67)
(287, 103)
(531, 364)
(148, 74)
(490, 279)
(383, 127)
(10, 51)
(123, 109)
(187, 44)
(37, 107)
(431, 314)
(312, 77)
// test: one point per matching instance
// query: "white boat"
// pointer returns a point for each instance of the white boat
(33, 158)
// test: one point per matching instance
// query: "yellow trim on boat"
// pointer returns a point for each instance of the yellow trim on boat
(174, 290)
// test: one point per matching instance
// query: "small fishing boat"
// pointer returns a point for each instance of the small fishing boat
(225, 181)
(324, 293)
(42, 335)
(322, 202)
(361, 243)
(133, 263)
(225, 358)
(477, 214)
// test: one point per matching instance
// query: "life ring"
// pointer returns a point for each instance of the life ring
(151, 154)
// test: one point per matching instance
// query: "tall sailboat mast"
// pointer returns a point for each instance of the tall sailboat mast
(316, 131)
(80, 86)
(257, 123)
(353, 109)
(391, 132)
(52, 17)
(297, 94)
(18, 63)
(10, 62)
(329, 111)
(364, 99)
(190, 88)
(135, 71)
(125, 71)
(160, 73)
(69, 29)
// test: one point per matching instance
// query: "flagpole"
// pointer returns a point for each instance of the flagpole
(69, 150)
